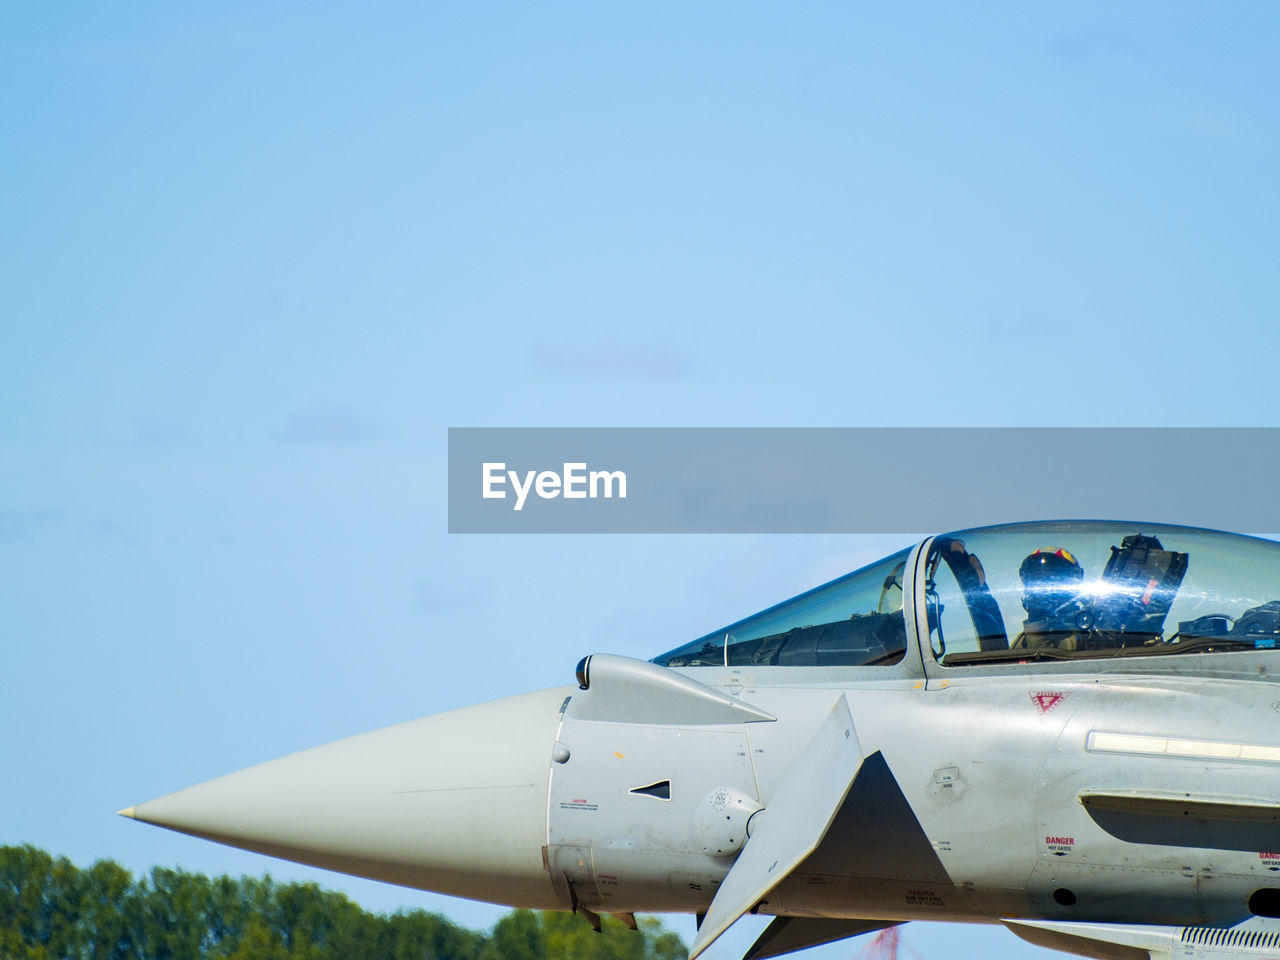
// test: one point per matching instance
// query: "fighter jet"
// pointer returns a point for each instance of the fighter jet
(1069, 728)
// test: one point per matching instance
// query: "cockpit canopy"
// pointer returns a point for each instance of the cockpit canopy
(1034, 591)
(854, 619)
(1093, 589)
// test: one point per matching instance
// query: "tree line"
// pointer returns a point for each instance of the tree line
(50, 909)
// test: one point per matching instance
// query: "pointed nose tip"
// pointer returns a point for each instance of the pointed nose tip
(127, 812)
(454, 803)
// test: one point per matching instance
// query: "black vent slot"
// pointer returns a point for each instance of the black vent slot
(1227, 937)
(660, 790)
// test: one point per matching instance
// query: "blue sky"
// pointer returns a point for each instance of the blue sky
(257, 261)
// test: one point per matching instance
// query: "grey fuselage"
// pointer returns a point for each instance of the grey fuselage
(974, 814)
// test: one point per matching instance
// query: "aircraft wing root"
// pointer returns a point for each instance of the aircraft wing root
(792, 825)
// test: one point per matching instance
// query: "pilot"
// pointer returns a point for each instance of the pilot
(1051, 582)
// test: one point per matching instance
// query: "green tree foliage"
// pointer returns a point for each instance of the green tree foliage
(562, 936)
(52, 910)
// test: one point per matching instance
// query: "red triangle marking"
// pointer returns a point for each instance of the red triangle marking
(1047, 701)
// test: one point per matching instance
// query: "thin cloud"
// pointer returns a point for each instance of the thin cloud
(325, 424)
(105, 531)
(1027, 327)
(24, 526)
(610, 360)
(436, 600)
(158, 435)
(1085, 44)
(34, 525)
(1206, 122)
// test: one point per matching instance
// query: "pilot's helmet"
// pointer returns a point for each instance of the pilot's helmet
(1050, 579)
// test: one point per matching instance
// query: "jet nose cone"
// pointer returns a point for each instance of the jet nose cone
(455, 803)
